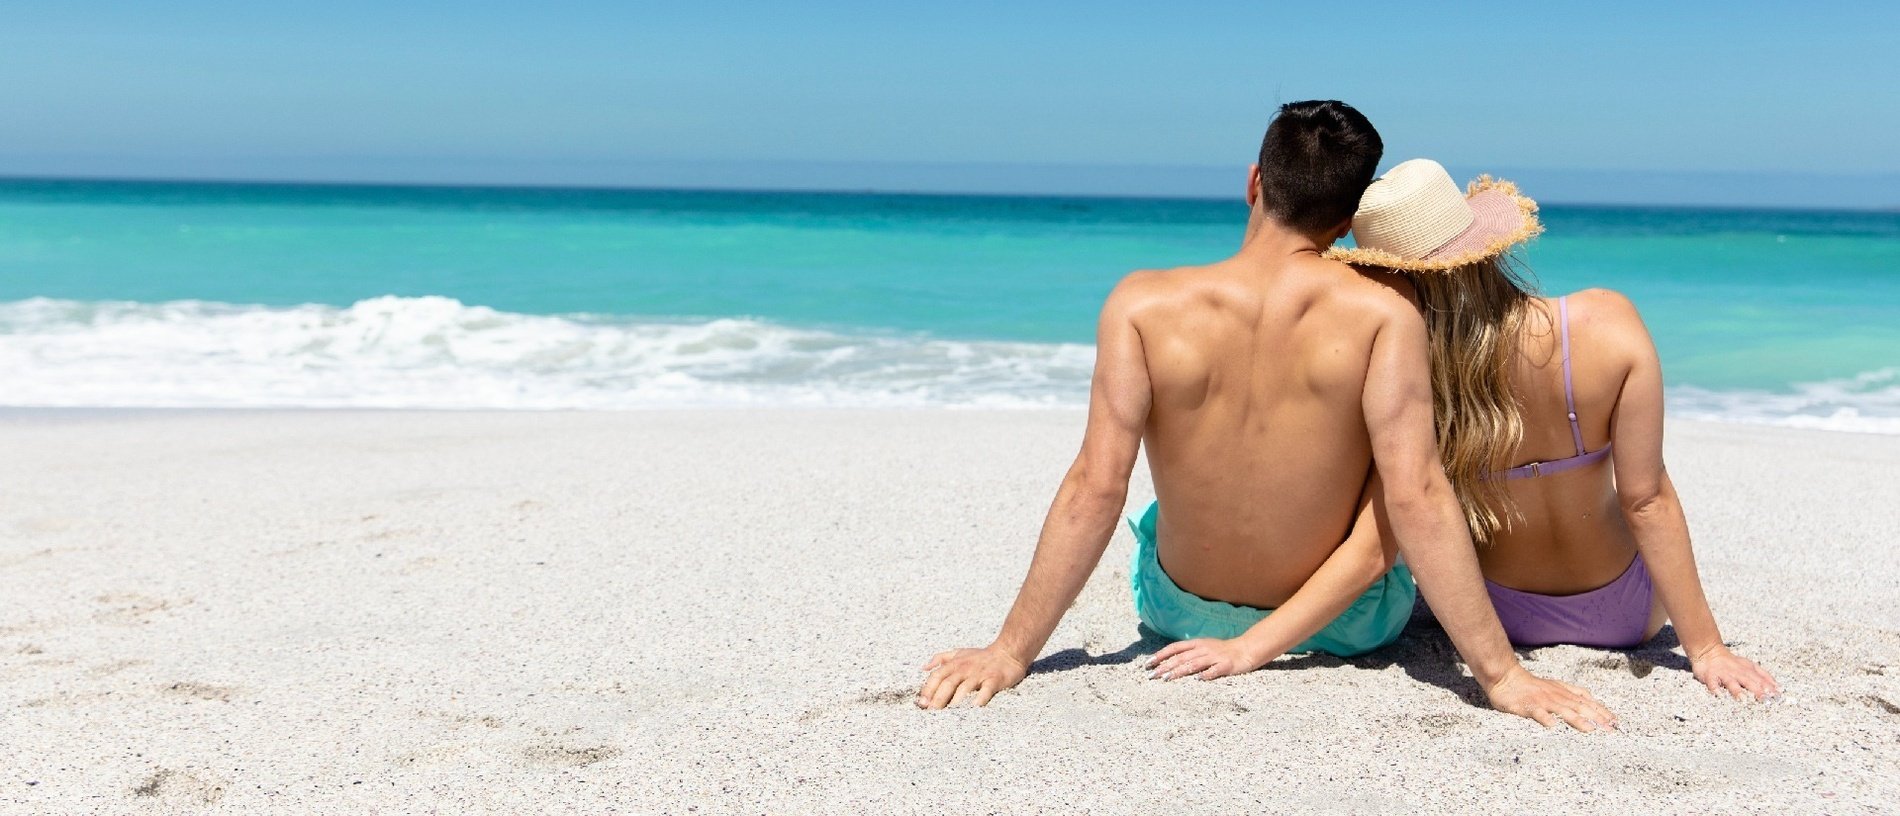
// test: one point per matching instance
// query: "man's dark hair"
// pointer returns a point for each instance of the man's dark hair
(1317, 159)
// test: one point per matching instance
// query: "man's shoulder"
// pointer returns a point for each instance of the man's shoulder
(1144, 288)
(1369, 289)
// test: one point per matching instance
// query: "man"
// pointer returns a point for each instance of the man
(1266, 387)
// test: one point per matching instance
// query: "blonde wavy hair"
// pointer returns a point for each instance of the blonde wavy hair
(1474, 314)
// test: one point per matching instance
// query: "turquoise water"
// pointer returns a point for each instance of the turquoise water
(810, 297)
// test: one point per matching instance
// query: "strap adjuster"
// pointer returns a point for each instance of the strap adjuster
(1537, 469)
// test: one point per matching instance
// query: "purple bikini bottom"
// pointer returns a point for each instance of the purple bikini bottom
(1613, 616)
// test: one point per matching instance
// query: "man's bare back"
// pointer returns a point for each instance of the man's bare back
(1255, 436)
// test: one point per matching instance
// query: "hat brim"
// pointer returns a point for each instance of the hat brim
(1501, 219)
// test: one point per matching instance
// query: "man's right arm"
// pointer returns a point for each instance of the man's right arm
(1430, 527)
(1080, 520)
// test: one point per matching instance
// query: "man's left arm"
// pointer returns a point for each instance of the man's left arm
(1080, 521)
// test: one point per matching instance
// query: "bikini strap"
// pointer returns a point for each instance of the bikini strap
(1570, 391)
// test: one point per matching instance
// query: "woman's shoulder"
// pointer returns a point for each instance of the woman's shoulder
(1607, 317)
(1600, 306)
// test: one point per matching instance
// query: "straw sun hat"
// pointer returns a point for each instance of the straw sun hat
(1413, 218)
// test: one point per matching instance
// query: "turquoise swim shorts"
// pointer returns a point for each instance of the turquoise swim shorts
(1374, 620)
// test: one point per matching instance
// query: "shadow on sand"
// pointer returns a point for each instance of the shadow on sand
(1424, 652)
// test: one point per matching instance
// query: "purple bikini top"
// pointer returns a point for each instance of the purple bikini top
(1583, 458)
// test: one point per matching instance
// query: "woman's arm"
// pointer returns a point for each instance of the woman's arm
(1655, 515)
(1364, 557)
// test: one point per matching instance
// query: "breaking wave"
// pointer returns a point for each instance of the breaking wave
(436, 352)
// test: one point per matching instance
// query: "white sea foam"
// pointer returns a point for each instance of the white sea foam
(434, 352)
(1869, 403)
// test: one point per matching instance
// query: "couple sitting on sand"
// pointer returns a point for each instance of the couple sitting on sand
(1311, 412)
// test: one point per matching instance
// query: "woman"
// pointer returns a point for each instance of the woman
(1550, 425)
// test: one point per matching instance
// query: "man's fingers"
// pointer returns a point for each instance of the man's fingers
(936, 689)
(940, 696)
(986, 692)
(930, 683)
(929, 690)
(968, 685)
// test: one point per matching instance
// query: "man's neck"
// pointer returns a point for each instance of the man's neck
(1269, 240)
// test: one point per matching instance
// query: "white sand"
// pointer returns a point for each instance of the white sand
(661, 612)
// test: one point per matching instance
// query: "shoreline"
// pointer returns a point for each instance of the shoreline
(30, 414)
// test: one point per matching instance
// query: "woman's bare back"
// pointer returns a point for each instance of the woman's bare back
(1569, 534)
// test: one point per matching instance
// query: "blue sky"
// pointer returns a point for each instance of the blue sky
(1727, 100)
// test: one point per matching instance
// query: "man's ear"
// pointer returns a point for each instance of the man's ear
(1253, 185)
(1338, 232)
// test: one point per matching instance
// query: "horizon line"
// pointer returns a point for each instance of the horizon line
(554, 186)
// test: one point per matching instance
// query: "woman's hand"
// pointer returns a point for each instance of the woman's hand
(1724, 671)
(1548, 701)
(1206, 658)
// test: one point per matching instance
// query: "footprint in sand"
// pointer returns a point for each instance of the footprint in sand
(432, 755)
(906, 698)
(554, 755)
(484, 721)
(419, 564)
(202, 691)
(1438, 725)
(116, 666)
(1878, 702)
(1636, 666)
(887, 697)
(308, 546)
(180, 787)
(129, 608)
(1675, 772)
(1191, 702)
(41, 525)
(70, 699)
(21, 558)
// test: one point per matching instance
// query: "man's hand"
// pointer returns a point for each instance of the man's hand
(1722, 670)
(1206, 658)
(1547, 701)
(958, 673)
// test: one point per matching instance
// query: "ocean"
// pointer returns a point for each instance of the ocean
(226, 295)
